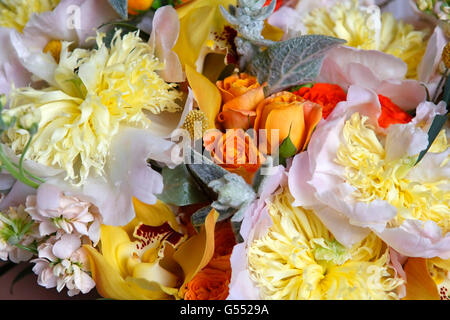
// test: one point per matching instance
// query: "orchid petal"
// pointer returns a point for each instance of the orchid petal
(194, 254)
(419, 284)
(206, 93)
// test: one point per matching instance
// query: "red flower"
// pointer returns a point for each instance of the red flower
(329, 95)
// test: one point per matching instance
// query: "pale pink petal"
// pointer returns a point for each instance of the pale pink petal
(47, 227)
(415, 238)
(166, 27)
(432, 168)
(165, 123)
(17, 195)
(430, 61)
(407, 94)
(404, 140)
(48, 197)
(299, 175)
(345, 233)
(64, 247)
(241, 286)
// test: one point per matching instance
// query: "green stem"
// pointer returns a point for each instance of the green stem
(7, 164)
(28, 173)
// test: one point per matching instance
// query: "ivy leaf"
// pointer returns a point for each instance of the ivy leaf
(121, 7)
(180, 188)
(292, 62)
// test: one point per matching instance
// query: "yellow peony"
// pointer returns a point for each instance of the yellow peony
(16, 13)
(299, 259)
(366, 28)
(374, 177)
(93, 93)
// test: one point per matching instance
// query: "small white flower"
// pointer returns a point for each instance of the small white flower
(63, 263)
(57, 212)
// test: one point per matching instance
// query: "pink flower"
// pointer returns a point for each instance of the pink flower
(63, 263)
(57, 212)
(318, 181)
(255, 224)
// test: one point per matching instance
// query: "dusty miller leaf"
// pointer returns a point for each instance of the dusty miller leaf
(180, 188)
(292, 62)
(121, 7)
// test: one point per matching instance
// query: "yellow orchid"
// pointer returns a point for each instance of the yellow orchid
(200, 23)
(149, 258)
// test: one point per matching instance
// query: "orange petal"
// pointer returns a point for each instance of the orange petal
(194, 254)
(234, 120)
(419, 284)
(313, 114)
(289, 121)
(247, 102)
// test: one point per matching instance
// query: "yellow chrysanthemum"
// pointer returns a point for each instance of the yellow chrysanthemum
(366, 28)
(16, 13)
(300, 259)
(96, 92)
(366, 168)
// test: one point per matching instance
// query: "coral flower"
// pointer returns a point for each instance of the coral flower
(329, 95)
(325, 94)
(240, 95)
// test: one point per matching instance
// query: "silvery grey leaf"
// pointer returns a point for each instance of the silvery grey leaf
(292, 62)
(121, 7)
(199, 217)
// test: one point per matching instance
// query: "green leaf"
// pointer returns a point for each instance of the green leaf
(22, 274)
(287, 148)
(199, 217)
(438, 122)
(180, 188)
(292, 62)
(121, 7)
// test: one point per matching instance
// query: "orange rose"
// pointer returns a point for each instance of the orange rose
(292, 115)
(234, 151)
(134, 6)
(240, 94)
(212, 282)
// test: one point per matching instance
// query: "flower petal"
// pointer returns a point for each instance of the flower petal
(419, 284)
(194, 254)
(206, 94)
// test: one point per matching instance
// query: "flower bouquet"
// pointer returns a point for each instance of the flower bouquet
(227, 149)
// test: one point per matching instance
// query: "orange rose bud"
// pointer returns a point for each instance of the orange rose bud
(291, 115)
(240, 94)
(139, 5)
(234, 151)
